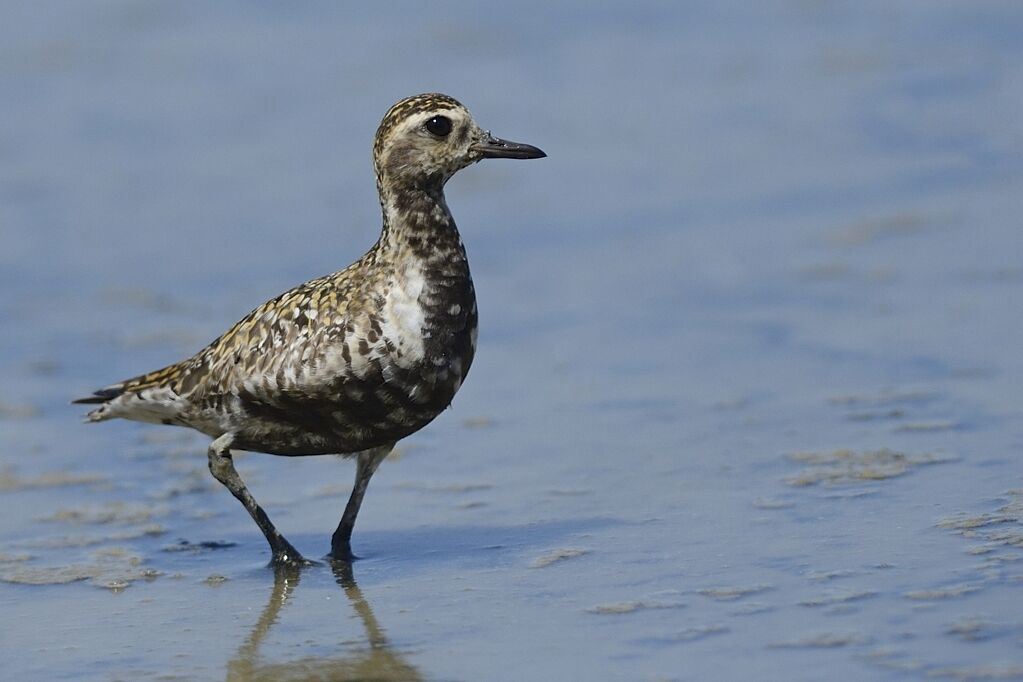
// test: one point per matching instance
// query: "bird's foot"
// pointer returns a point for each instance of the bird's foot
(287, 560)
(284, 554)
(342, 552)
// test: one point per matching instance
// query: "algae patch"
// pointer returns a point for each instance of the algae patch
(113, 512)
(823, 640)
(113, 568)
(632, 607)
(733, 593)
(857, 466)
(10, 482)
(555, 556)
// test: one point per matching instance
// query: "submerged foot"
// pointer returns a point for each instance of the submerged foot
(287, 560)
(342, 552)
(285, 554)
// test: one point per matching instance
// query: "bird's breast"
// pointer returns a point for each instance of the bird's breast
(417, 340)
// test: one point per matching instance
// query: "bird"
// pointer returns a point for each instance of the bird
(348, 363)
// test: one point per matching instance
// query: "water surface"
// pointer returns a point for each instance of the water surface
(746, 400)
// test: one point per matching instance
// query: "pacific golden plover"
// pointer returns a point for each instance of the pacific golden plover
(352, 362)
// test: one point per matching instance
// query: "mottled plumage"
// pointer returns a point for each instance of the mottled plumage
(352, 362)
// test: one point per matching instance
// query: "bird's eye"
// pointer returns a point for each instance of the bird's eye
(439, 126)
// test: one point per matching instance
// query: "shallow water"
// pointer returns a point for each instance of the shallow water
(746, 401)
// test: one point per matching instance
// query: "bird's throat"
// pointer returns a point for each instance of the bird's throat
(418, 224)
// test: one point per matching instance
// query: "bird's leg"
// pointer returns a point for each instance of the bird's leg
(222, 468)
(366, 463)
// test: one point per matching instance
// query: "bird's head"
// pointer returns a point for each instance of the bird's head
(425, 139)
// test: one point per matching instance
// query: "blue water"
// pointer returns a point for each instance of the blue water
(746, 398)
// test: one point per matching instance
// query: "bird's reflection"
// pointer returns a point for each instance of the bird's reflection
(375, 660)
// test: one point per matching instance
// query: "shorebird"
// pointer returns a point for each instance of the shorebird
(352, 362)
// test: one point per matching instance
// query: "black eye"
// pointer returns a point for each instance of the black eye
(439, 126)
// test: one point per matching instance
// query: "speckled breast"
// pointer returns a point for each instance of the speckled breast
(396, 368)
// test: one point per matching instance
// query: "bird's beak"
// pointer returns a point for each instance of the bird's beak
(496, 148)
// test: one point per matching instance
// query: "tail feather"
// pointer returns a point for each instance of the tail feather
(101, 396)
(149, 398)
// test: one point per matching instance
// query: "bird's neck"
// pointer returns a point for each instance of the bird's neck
(418, 224)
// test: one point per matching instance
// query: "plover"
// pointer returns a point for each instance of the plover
(352, 362)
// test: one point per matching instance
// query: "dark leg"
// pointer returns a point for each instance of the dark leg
(222, 468)
(366, 464)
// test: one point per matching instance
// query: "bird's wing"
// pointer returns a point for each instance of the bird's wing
(265, 351)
